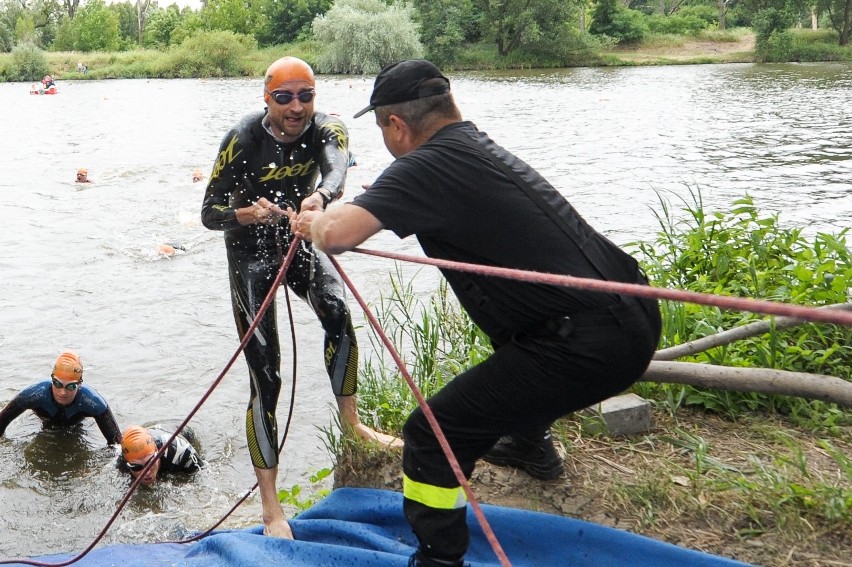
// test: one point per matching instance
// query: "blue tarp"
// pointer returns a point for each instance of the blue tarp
(365, 528)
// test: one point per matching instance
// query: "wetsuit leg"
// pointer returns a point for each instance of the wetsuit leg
(526, 384)
(251, 279)
(313, 278)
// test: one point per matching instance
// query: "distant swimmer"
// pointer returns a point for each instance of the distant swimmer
(63, 400)
(169, 248)
(197, 175)
(139, 445)
(83, 176)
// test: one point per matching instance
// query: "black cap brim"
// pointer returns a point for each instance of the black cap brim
(365, 110)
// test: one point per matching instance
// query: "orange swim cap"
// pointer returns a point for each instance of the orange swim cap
(68, 367)
(137, 443)
(286, 69)
(166, 249)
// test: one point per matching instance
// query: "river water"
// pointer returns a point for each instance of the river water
(80, 266)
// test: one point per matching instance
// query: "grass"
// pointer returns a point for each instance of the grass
(756, 489)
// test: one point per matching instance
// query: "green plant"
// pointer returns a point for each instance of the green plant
(362, 36)
(209, 54)
(28, 63)
(436, 341)
(744, 253)
(293, 495)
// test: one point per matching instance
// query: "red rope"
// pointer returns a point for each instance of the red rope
(248, 334)
(430, 417)
(725, 302)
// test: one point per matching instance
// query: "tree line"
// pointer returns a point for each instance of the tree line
(550, 31)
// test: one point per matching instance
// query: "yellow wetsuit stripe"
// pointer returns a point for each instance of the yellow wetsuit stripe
(433, 496)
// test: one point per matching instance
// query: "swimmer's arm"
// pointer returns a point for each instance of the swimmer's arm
(109, 427)
(11, 412)
(334, 157)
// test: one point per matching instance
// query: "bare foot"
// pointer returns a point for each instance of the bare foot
(278, 528)
(388, 441)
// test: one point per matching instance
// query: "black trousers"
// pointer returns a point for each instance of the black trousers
(312, 277)
(525, 385)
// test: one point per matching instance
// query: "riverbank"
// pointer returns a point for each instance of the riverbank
(683, 50)
(695, 480)
(709, 47)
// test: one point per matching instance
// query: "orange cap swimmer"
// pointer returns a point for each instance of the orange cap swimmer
(137, 443)
(68, 367)
(286, 69)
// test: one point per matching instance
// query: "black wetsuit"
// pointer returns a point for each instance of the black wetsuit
(253, 164)
(87, 403)
(556, 349)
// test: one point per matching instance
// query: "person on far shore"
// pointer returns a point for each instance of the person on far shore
(63, 400)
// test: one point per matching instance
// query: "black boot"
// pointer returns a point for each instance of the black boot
(538, 458)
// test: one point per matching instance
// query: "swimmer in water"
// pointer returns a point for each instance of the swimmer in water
(139, 445)
(63, 400)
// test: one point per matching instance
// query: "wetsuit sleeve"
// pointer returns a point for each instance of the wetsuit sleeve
(333, 140)
(108, 426)
(216, 210)
(12, 410)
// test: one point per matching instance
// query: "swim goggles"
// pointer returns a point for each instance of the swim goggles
(286, 97)
(71, 386)
(137, 467)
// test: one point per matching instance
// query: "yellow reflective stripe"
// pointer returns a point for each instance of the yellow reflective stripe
(433, 496)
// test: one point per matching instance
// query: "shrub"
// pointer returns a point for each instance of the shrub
(209, 54)
(614, 20)
(676, 24)
(709, 14)
(744, 253)
(362, 36)
(28, 63)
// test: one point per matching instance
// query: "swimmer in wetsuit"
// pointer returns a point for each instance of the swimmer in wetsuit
(269, 161)
(139, 445)
(63, 400)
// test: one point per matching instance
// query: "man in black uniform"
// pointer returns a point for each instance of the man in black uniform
(469, 200)
(269, 161)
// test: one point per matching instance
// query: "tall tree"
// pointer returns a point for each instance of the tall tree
(840, 15)
(512, 23)
(71, 7)
(445, 26)
(290, 20)
(143, 8)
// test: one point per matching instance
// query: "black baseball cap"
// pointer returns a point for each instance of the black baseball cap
(403, 81)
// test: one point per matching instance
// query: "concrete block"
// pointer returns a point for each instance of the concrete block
(620, 415)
